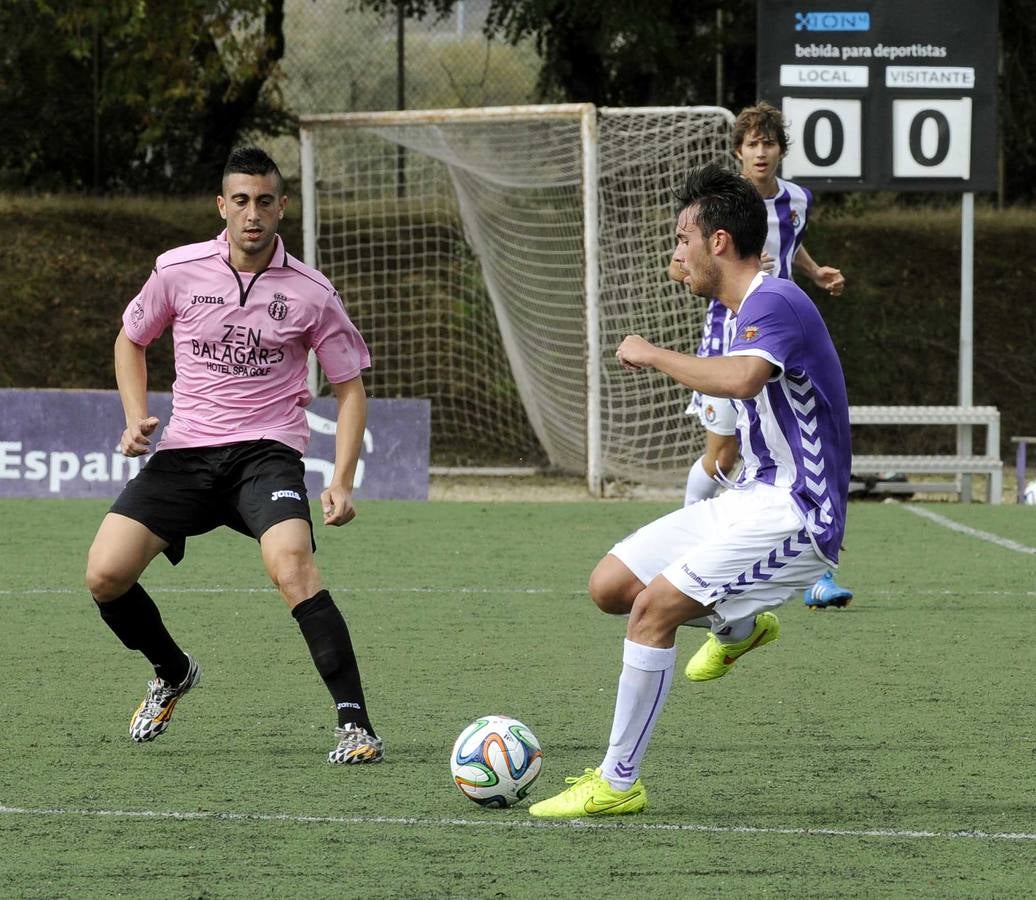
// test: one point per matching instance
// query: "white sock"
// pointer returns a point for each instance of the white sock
(734, 632)
(699, 485)
(647, 673)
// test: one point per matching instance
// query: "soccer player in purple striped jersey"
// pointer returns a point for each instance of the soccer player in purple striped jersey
(760, 142)
(727, 562)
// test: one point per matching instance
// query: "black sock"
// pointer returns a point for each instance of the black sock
(137, 623)
(327, 635)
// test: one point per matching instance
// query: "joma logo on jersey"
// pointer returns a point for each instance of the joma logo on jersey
(285, 495)
(205, 298)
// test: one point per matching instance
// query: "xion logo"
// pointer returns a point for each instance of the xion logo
(832, 21)
(205, 298)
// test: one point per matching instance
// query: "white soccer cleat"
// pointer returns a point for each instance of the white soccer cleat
(154, 713)
(356, 745)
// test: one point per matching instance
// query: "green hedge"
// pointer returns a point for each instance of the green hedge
(72, 263)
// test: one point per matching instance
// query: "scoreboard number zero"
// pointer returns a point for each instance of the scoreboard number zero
(825, 138)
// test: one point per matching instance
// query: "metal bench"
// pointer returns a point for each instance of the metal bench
(961, 465)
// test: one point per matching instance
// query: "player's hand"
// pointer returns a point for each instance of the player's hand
(337, 504)
(768, 263)
(135, 439)
(634, 352)
(830, 279)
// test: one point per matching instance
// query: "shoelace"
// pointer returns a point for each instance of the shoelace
(579, 779)
(158, 694)
(353, 733)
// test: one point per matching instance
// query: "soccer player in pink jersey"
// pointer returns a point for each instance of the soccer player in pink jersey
(244, 315)
(760, 142)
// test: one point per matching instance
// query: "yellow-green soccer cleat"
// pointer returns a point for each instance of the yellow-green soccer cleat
(591, 795)
(714, 658)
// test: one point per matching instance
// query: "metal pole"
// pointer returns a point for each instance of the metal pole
(588, 135)
(719, 57)
(309, 230)
(400, 93)
(967, 300)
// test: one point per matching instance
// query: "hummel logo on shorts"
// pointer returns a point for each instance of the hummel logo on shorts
(285, 495)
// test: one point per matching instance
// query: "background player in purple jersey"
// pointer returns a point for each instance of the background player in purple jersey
(244, 315)
(760, 142)
(724, 563)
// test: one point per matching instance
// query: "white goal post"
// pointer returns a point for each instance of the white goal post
(493, 258)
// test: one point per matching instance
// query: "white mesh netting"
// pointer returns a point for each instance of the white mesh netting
(458, 247)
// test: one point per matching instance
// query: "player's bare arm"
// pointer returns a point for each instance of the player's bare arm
(738, 377)
(827, 278)
(337, 500)
(131, 377)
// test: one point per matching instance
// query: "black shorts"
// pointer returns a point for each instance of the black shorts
(248, 486)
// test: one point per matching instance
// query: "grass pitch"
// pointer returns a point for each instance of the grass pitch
(883, 751)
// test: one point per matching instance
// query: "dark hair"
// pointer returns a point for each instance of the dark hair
(729, 202)
(252, 161)
(765, 119)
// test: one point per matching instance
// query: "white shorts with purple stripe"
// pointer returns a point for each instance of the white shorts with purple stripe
(716, 414)
(740, 553)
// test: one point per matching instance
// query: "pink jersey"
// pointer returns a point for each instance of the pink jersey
(241, 343)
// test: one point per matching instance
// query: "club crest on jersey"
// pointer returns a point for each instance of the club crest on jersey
(278, 308)
(750, 333)
(795, 218)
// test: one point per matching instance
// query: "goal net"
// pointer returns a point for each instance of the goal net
(494, 258)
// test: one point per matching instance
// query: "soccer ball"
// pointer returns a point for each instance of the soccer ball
(1029, 497)
(495, 761)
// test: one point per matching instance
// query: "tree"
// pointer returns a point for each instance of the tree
(1016, 108)
(128, 94)
(621, 52)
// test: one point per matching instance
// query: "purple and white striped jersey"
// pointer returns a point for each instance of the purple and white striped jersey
(787, 213)
(795, 432)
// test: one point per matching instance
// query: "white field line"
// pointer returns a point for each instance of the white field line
(510, 591)
(1006, 543)
(334, 590)
(535, 824)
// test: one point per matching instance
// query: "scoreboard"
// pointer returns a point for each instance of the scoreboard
(893, 95)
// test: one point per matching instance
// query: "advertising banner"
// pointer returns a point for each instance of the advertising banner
(56, 443)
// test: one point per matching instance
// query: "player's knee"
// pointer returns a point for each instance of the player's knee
(607, 592)
(655, 615)
(294, 574)
(104, 581)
